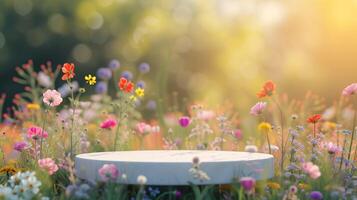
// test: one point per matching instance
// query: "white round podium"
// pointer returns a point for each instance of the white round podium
(172, 167)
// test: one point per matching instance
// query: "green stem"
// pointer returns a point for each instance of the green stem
(282, 136)
(42, 131)
(353, 131)
(268, 142)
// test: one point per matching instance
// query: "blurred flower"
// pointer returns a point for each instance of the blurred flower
(143, 127)
(91, 80)
(316, 195)
(142, 180)
(144, 68)
(101, 87)
(52, 98)
(114, 64)
(33, 106)
(332, 148)
(251, 148)
(312, 170)
(350, 90)
(44, 80)
(127, 75)
(67, 88)
(10, 170)
(238, 134)
(68, 71)
(258, 108)
(125, 85)
(267, 90)
(248, 184)
(304, 186)
(133, 97)
(78, 191)
(178, 194)
(139, 92)
(108, 123)
(108, 172)
(140, 84)
(20, 146)
(314, 119)
(264, 127)
(48, 165)
(273, 185)
(184, 121)
(151, 105)
(35, 132)
(104, 73)
(291, 194)
(205, 115)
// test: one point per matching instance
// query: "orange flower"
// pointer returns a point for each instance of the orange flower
(68, 71)
(125, 85)
(267, 90)
(314, 119)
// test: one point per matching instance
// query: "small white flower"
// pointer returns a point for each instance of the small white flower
(142, 180)
(44, 80)
(124, 177)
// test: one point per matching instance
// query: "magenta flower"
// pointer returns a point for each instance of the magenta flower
(350, 90)
(258, 108)
(238, 134)
(332, 148)
(48, 165)
(108, 172)
(184, 121)
(108, 123)
(248, 184)
(20, 146)
(312, 170)
(35, 132)
(205, 115)
(52, 98)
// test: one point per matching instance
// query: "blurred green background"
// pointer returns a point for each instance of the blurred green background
(206, 50)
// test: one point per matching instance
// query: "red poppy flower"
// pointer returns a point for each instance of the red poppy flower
(267, 90)
(125, 85)
(314, 119)
(68, 71)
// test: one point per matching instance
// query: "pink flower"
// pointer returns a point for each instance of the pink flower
(312, 170)
(258, 108)
(332, 148)
(143, 127)
(108, 172)
(48, 165)
(238, 134)
(350, 90)
(205, 115)
(184, 121)
(52, 98)
(35, 132)
(108, 123)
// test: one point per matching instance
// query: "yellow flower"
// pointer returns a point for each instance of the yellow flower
(91, 80)
(273, 185)
(330, 125)
(8, 170)
(304, 186)
(264, 127)
(33, 106)
(140, 92)
(133, 98)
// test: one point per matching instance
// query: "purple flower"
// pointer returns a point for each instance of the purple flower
(258, 108)
(140, 84)
(114, 64)
(20, 146)
(151, 105)
(316, 195)
(128, 75)
(178, 194)
(101, 87)
(104, 73)
(248, 184)
(144, 68)
(184, 121)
